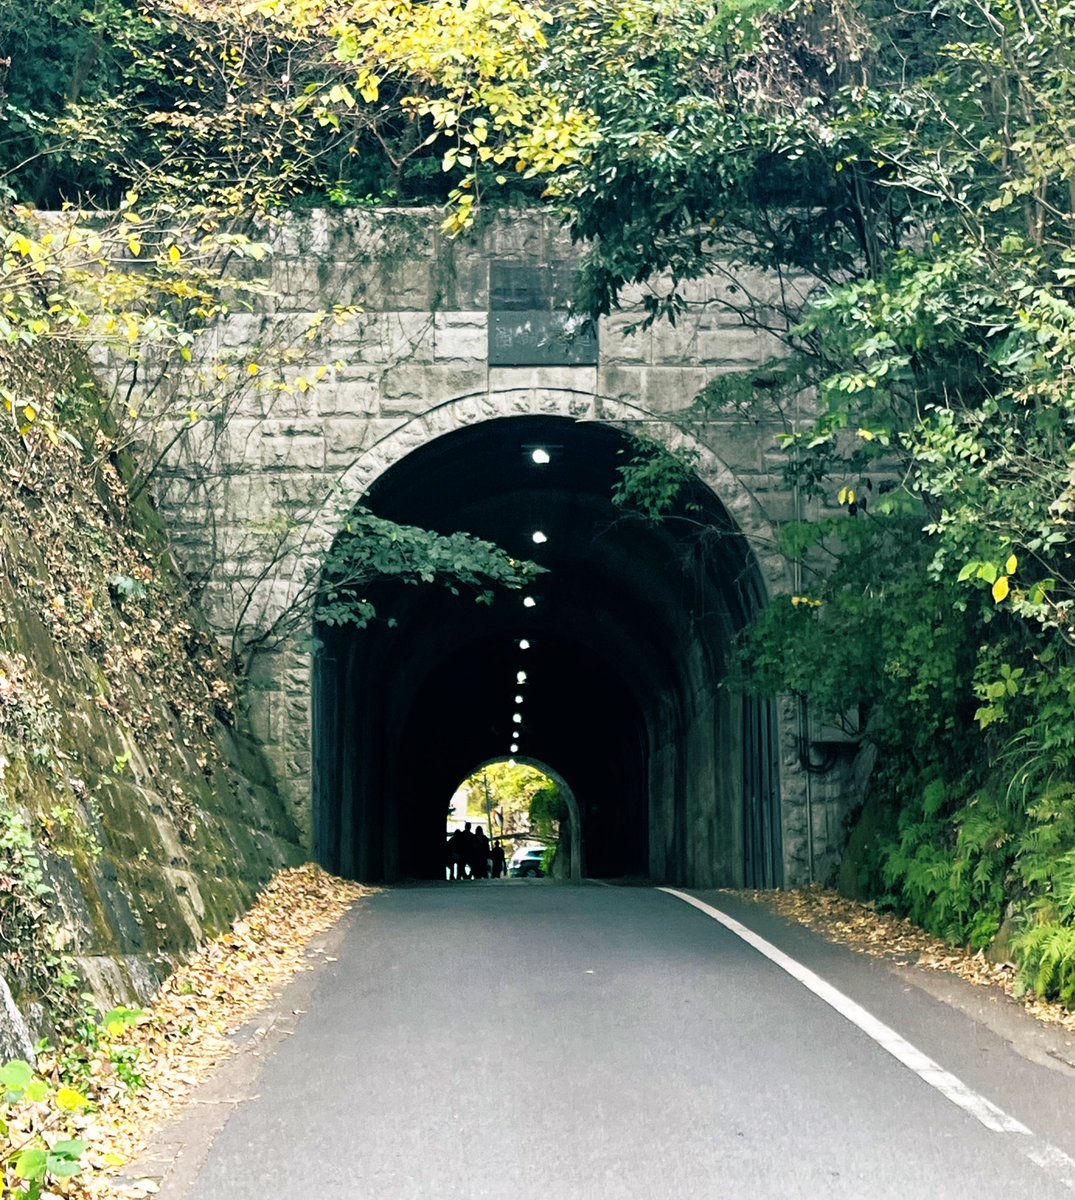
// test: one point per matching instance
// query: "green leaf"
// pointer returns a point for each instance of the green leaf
(31, 1164)
(62, 1168)
(16, 1074)
(70, 1148)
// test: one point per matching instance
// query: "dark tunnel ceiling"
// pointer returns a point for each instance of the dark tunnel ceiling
(617, 614)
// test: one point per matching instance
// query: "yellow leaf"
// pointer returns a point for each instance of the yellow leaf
(1000, 588)
(866, 435)
(842, 497)
(29, 412)
(252, 368)
(134, 244)
(1011, 565)
(68, 1099)
(174, 253)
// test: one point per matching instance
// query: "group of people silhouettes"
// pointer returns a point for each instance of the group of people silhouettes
(471, 856)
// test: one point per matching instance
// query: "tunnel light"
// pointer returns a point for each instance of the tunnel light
(540, 456)
(524, 645)
(511, 762)
(529, 602)
(520, 677)
(539, 537)
(517, 718)
(514, 748)
(519, 698)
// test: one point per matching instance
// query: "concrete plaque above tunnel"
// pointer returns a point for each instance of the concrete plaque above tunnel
(530, 321)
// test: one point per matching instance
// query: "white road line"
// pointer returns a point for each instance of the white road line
(1052, 1159)
(1049, 1158)
(888, 1039)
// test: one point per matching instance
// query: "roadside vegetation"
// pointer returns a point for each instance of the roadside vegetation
(906, 177)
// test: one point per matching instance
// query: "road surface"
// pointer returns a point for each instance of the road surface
(530, 1040)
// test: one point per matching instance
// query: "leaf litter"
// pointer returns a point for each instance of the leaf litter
(864, 928)
(184, 1034)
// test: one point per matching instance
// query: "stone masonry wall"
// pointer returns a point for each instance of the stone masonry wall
(410, 367)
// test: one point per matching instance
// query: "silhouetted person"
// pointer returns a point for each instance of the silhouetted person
(459, 852)
(479, 862)
(498, 860)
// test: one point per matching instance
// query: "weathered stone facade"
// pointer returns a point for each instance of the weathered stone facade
(412, 367)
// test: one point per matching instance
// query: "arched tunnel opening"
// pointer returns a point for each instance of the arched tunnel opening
(527, 809)
(622, 657)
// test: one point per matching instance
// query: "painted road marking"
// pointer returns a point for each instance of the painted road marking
(1050, 1158)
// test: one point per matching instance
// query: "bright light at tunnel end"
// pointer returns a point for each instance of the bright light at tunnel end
(528, 602)
(524, 645)
(539, 537)
(540, 456)
(520, 677)
(515, 747)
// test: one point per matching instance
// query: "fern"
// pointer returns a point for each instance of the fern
(1047, 960)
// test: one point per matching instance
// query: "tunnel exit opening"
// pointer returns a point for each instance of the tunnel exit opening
(614, 665)
(522, 803)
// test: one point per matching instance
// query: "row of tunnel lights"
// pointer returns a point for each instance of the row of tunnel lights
(540, 457)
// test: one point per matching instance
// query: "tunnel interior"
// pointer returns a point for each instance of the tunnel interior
(623, 652)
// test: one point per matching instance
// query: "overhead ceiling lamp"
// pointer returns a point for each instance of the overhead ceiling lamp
(528, 602)
(517, 718)
(524, 644)
(519, 698)
(514, 749)
(511, 761)
(540, 456)
(520, 677)
(538, 537)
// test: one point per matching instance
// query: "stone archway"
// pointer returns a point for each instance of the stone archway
(681, 801)
(733, 491)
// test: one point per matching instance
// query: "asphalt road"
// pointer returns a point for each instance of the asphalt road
(533, 1040)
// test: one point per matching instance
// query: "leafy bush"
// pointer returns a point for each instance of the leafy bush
(948, 870)
(35, 1116)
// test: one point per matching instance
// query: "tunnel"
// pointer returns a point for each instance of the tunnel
(620, 652)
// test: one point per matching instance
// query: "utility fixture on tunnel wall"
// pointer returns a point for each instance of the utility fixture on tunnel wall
(627, 650)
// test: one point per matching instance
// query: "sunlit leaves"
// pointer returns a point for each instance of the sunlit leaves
(34, 1119)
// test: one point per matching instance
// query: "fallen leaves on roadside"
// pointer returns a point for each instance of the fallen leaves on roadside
(885, 935)
(184, 1034)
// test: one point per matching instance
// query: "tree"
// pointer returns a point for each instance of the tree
(514, 788)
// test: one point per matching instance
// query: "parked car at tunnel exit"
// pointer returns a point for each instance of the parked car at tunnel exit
(529, 862)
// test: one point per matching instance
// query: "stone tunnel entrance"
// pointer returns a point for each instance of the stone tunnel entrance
(622, 662)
